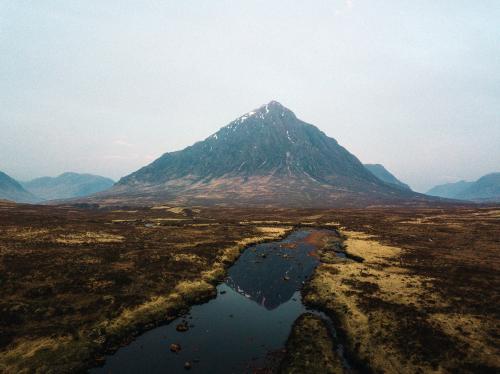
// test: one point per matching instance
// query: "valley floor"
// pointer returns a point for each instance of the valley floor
(77, 282)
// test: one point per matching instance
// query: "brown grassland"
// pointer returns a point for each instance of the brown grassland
(77, 282)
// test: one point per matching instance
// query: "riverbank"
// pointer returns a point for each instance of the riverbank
(390, 319)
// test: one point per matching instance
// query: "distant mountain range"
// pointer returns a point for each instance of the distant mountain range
(67, 185)
(485, 189)
(384, 175)
(12, 190)
(265, 157)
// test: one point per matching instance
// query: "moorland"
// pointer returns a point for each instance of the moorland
(79, 281)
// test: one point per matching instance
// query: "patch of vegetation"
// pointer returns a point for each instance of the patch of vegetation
(310, 348)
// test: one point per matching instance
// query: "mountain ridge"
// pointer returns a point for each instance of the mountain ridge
(484, 189)
(67, 185)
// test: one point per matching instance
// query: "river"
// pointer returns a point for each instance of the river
(251, 316)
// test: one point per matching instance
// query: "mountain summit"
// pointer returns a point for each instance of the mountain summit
(266, 157)
(270, 140)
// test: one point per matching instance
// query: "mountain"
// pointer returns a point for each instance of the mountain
(449, 190)
(265, 157)
(67, 185)
(12, 190)
(384, 175)
(485, 189)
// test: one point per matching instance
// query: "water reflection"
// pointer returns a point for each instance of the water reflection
(269, 274)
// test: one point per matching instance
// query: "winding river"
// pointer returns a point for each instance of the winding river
(252, 316)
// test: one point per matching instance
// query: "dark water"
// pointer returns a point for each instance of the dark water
(233, 333)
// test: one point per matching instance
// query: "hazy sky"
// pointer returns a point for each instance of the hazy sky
(107, 86)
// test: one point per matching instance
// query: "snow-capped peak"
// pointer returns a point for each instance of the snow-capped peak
(273, 109)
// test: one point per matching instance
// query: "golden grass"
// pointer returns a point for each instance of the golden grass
(89, 237)
(28, 233)
(189, 257)
(470, 331)
(332, 224)
(170, 219)
(177, 210)
(361, 244)
(490, 213)
(215, 274)
(28, 348)
(192, 244)
(347, 287)
(333, 287)
(160, 207)
(154, 309)
(193, 291)
(270, 222)
(278, 231)
(22, 353)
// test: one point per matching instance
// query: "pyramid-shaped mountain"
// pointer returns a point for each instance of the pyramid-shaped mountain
(265, 157)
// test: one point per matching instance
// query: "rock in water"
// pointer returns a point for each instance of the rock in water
(174, 347)
(182, 327)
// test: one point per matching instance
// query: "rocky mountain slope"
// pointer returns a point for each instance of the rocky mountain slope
(67, 185)
(12, 190)
(384, 175)
(485, 189)
(265, 157)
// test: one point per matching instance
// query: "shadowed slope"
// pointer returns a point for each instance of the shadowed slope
(11, 190)
(384, 175)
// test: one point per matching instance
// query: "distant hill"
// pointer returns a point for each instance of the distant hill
(384, 175)
(67, 185)
(11, 190)
(265, 157)
(449, 190)
(486, 188)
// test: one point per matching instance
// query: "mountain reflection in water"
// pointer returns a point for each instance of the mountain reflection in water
(271, 273)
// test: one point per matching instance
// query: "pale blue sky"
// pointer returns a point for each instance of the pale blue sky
(107, 86)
